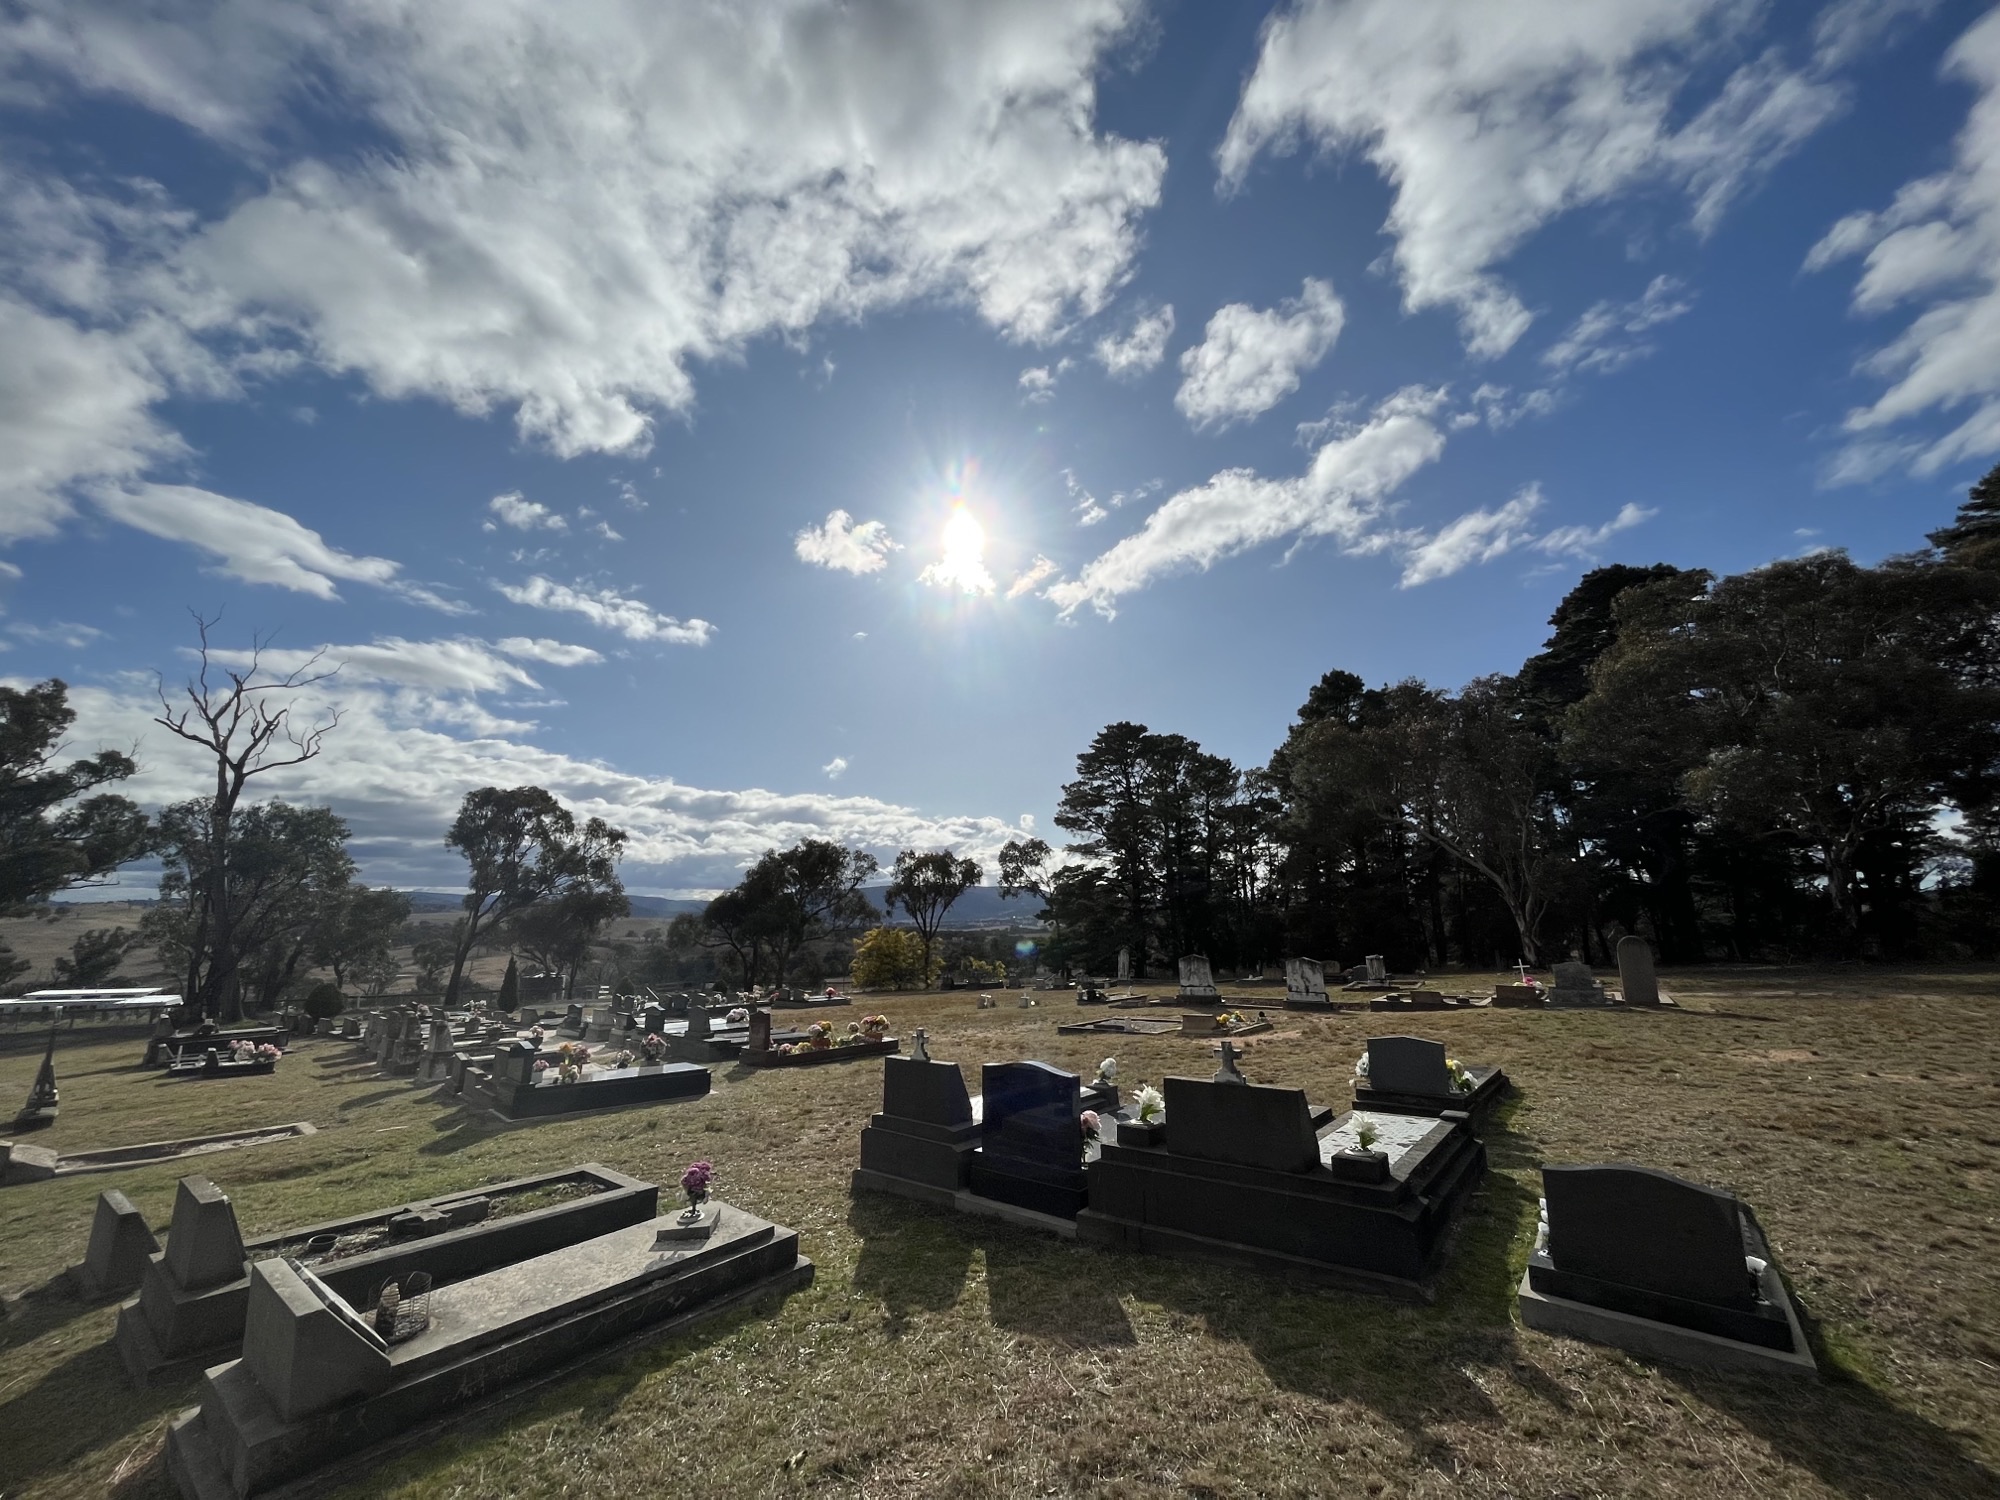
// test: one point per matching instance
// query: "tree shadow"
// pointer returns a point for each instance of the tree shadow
(914, 1258)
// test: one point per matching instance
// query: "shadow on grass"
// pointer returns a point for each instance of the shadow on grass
(913, 1258)
(42, 1309)
(67, 1414)
(460, 1128)
(362, 1101)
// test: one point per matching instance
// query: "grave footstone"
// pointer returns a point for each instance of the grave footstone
(1649, 1261)
(120, 1248)
(1636, 980)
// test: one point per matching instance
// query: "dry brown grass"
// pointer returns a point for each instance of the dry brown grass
(941, 1356)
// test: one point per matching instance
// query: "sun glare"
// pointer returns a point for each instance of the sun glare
(963, 563)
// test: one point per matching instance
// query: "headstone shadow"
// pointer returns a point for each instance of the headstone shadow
(913, 1258)
(362, 1101)
(1053, 1291)
(67, 1412)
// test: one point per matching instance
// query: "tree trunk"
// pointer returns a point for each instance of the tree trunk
(459, 955)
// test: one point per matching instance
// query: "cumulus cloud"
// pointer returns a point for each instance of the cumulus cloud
(834, 769)
(1250, 359)
(576, 269)
(250, 542)
(523, 514)
(403, 757)
(1611, 335)
(1341, 495)
(1141, 346)
(1935, 250)
(845, 545)
(1038, 382)
(1489, 121)
(608, 610)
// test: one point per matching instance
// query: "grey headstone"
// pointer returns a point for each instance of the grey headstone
(1241, 1125)
(1638, 1227)
(120, 1246)
(1408, 1065)
(1636, 979)
(1228, 1072)
(204, 1246)
(926, 1090)
(1378, 972)
(1197, 979)
(1575, 978)
(920, 1050)
(1124, 965)
(697, 1022)
(1305, 979)
(307, 1349)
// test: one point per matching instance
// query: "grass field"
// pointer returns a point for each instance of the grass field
(941, 1356)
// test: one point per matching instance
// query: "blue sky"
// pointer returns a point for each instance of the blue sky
(793, 419)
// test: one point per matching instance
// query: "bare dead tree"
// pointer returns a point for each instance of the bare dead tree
(241, 716)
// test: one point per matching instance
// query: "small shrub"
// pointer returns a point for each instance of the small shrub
(325, 1000)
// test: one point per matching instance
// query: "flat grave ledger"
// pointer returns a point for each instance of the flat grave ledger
(1409, 1075)
(1414, 1000)
(1520, 997)
(317, 1387)
(767, 1048)
(519, 1096)
(190, 1308)
(214, 1063)
(1120, 1026)
(1210, 1024)
(162, 1050)
(1660, 1266)
(1252, 1176)
(921, 1142)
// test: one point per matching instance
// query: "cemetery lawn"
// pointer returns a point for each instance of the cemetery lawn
(940, 1355)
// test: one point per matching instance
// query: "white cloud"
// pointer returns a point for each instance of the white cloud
(403, 757)
(603, 529)
(1250, 359)
(1610, 335)
(455, 666)
(1584, 541)
(73, 406)
(1341, 495)
(1088, 511)
(1848, 29)
(609, 610)
(1140, 347)
(250, 542)
(1038, 382)
(835, 768)
(962, 566)
(524, 514)
(1478, 536)
(1489, 121)
(845, 545)
(555, 653)
(1936, 249)
(56, 633)
(1032, 577)
(658, 189)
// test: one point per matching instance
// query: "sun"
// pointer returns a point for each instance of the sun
(962, 564)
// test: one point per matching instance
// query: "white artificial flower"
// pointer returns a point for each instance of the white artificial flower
(1108, 1069)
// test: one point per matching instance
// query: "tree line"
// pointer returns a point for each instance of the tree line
(1797, 761)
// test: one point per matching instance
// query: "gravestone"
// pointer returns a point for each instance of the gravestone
(1576, 985)
(1378, 972)
(43, 1098)
(1636, 980)
(120, 1248)
(1241, 1124)
(1305, 982)
(1199, 1023)
(920, 1144)
(1228, 1072)
(1408, 1065)
(1651, 1262)
(514, 1060)
(191, 1295)
(204, 1247)
(921, 1052)
(1030, 1151)
(1124, 966)
(760, 1028)
(1408, 1075)
(306, 1348)
(1197, 981)
(697, 1022)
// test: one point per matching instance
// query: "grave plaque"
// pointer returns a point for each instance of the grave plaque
(1636, 979)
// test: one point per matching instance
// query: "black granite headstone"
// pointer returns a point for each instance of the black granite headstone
(929, 1091)
(1030, 1113)
(1241, 1124)
(1649, 1230)
(1408, 1065)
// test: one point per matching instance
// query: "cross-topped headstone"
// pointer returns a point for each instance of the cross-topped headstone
(920, 1051)
(1228, 1072)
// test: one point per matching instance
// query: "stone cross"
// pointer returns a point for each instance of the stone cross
(1228, 1072)
(921, 1051)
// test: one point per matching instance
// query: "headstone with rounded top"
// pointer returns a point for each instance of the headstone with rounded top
(1636, 979)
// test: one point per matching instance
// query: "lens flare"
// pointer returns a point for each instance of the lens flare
(963, 565)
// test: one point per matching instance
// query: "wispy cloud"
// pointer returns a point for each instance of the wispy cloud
(250, 542)
(541, 648)
(609, 610)
(1032, 577)
(1476, 537)
(1611, 335)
